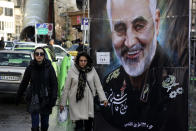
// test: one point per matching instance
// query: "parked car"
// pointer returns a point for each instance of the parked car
(12, 67)
(30, 46)
(8, 45)
(59, 51)
(72, 50)
(22, 42)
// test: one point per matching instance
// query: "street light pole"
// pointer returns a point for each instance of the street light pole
(35, 34)
(84, 31)
(53, 19)
(88, 33)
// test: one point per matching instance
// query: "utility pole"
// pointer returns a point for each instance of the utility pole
(83, 16)
(53, 18)
(85, 6)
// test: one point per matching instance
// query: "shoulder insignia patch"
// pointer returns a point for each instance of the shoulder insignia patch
(113, 75)
(169, 82)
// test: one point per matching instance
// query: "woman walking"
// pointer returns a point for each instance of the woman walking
(81, 86)
(43, 84)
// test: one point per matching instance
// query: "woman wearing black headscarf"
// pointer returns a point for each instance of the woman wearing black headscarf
(41, 77)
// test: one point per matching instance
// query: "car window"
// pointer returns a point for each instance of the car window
(46, 56)
(16, 46)
(9, 44)
(18, 49)
(15, 59)
(31, 50)
(59, 51)
(73, 48)
(49, 54)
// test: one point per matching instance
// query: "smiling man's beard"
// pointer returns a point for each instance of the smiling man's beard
(136, 66)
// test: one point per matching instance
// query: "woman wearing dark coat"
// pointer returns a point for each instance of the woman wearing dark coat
(41, 78)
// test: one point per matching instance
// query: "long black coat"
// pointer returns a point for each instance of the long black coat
(41, 80)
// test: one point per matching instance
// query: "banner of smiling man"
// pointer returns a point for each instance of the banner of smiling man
(140, 50)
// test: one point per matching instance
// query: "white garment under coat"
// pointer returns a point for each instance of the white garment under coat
(84, 108)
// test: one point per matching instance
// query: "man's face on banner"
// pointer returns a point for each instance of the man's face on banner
(134, 34)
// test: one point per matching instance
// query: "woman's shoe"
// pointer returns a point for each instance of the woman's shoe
(35, 129)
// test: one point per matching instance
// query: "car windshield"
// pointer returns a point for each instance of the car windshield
(59, 51)
(21, 49)
(15, 59)
(9, 44)
(16, 46)
(30, 50)
(73, 48)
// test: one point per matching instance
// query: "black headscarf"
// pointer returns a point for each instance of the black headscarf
(82, 75)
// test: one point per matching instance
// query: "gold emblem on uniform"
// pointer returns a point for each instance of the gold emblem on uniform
(113, 75)
(169, 82)
(145, 93)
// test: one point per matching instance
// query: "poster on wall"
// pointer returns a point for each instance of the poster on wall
(146, 80)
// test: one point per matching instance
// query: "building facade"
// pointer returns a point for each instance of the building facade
(11, 18)
(7, 19)
(19, 14)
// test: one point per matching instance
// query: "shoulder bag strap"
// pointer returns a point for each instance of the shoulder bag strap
(90, 88)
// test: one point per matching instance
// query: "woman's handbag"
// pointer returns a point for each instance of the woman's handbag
(34, 106)
(97, 107)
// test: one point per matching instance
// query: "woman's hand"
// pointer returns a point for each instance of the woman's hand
(61, 108)
(105, 103)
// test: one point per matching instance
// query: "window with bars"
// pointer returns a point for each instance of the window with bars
(18, 3)
(8, 12)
